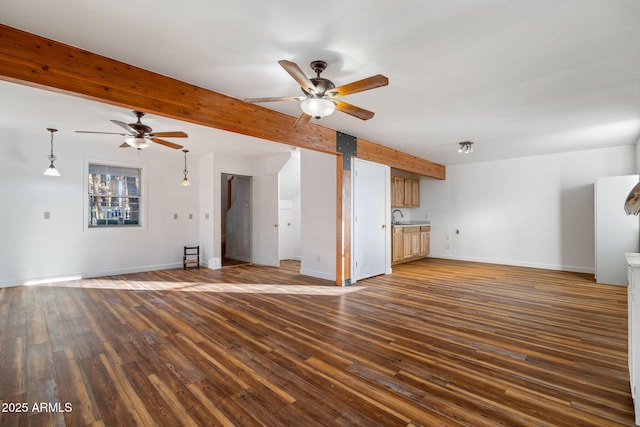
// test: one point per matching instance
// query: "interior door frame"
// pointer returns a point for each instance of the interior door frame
(225, 208)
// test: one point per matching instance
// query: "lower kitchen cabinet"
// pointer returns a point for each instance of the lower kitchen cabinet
(425, 238)
(409, 243)
(397, 244)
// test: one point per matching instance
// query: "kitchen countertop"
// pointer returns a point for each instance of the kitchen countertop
(411, 223)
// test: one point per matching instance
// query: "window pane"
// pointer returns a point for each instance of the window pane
(114, 196)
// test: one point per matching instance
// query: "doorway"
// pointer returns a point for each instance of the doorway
(235, 215)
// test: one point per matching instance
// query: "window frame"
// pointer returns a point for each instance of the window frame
(142, 223)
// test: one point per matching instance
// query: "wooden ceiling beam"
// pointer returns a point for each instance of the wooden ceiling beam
(29, 59)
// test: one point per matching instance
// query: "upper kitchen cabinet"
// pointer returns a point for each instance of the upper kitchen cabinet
(405, 192)
(397, 191)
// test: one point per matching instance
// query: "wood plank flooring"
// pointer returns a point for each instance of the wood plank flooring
(436, 343)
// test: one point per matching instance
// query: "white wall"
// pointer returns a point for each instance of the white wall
(318, 214)
(33, 248)
(534, 211)
(208, 214)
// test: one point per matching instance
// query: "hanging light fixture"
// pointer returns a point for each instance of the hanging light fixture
(51, 170)
(466, 147)
(185, 181)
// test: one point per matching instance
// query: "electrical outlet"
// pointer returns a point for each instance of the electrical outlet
(190, 216)
(47, 215)
(175, 216)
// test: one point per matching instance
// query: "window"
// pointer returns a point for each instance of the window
(114, 196)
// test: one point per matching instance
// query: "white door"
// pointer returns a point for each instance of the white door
(371, 233)
(265, 220)
(285, 233)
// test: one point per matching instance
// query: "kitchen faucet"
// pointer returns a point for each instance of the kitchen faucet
(393, 215)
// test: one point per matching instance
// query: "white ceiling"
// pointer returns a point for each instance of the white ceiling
(517, 77)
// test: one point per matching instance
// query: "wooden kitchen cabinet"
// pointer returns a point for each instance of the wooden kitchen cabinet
(412, 193)
(425, 240)
(397, 244)
(409, 243)
(405, 192)
(397, 191)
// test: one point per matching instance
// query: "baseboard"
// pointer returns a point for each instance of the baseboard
(571, 268)
(91, 275)
(318, 274)
(141, 269)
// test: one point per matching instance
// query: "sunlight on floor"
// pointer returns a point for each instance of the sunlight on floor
(239, 288)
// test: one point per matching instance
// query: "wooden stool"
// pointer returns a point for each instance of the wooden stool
(188, 258)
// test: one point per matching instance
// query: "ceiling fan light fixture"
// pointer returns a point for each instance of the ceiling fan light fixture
(317, 107)
(137, 142)
(466, 147)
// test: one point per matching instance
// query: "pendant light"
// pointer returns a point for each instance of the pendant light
(51, 170)
(185, 181)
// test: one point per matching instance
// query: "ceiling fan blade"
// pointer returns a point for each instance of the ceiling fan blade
(124, 126)
(176, 134)
(352, 110)
(303, 119)
(282, 98)
(298, 75)
(103, 133)
(166, 143)
(361, 85)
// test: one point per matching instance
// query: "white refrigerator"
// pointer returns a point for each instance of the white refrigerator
(616, 233)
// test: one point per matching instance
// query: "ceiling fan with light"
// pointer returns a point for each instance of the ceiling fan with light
(141, 136)
(321, 95)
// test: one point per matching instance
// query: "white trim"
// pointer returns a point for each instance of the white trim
(69, 277)
(570, 268)
(318, 274)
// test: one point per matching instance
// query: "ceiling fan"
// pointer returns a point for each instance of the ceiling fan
(141, 136)
(321, 95)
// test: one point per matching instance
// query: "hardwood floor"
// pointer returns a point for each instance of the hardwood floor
(435, 343)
